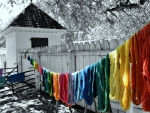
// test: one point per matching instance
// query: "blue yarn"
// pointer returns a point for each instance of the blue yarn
(92, 81)
(85, 83)
(82, 84)
(76, 87)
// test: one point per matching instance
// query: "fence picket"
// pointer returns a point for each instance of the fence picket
(92, 46)
(113, 44)
(81, 46)
(98, 45)
(86, 46)
(105, 44)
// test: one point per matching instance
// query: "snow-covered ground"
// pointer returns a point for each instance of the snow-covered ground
(31, 101)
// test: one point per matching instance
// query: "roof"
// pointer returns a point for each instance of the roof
(34, 17)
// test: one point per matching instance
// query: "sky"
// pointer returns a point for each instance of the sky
(7, 13)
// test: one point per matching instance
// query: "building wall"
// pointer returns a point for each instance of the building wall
(18, 38)
(23, 41)
(11, 50)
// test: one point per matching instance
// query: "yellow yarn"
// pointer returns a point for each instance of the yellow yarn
(125, 99)
(120, 75)
(114, 75)
(121, 52)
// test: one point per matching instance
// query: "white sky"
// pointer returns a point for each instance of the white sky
(5, 13)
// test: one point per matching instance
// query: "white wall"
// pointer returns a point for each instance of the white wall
(11, 50)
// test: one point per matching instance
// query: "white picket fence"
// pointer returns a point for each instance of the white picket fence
(74, 57)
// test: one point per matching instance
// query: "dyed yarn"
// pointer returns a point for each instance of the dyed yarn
(84, 86)
(56, 86)
(71, 100)
(92, 82)
(102, 84)
(135, 74)
(125, 100)
(114, 76)
(143, 37)
(50, 83)
(77, 91)
(63, 80)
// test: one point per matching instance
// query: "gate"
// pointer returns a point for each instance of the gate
(13, 88)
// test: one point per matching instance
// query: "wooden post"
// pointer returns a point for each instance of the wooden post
(37, 75)
(5, 68)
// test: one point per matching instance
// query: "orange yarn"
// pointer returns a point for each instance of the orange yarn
(135, 74)
(56, 86)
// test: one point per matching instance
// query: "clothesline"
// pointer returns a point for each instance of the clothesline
(109, 78)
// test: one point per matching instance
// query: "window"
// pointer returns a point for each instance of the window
(39, 42)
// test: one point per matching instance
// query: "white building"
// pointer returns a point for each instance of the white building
(31, 28)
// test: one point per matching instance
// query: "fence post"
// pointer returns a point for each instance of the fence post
(5, 68)
(71, 61)
(37, 75)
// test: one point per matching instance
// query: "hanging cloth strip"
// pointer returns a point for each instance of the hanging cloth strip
(3, 81)
(71, 100)
(77, 91)
(135, 74)
(102, 84)
(63, 80)
(19, 77)
(144, 42)
(125, 99)
(50, 83)
(56, 86)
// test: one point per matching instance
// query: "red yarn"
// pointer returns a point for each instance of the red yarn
(144, 65)
(63, 80)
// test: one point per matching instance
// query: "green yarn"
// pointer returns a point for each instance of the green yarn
(50, 83)
(102, 84)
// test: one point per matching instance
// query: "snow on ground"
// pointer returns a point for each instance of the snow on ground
(31, 101)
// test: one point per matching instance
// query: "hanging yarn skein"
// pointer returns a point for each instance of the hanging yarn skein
(144, 45)
(135, 74)
(102, 84)
(125, 100)
(114, 76)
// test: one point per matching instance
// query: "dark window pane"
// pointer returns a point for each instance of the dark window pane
(39, 42)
